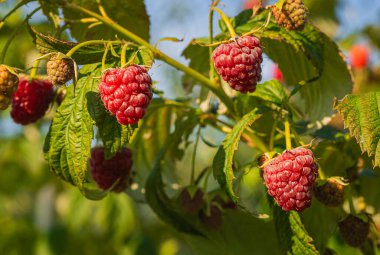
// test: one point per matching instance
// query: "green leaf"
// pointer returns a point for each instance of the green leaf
(308, 59)
(130, 14)
(361, 115)
(114, 136)
(292, 234)
(223, 160)
(156, 197)
(69, 141)
(51, 11)
(271, 91)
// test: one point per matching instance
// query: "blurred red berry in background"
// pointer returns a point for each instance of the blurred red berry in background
(277, 74)
(359, 55)
(250, 4)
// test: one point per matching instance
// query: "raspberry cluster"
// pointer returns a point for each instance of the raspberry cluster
(31, 100)
(239, 63)
(126, 93)
(8, 85)
(114, 171)
(290, 177)
(292, 16)
(60, 69)
(354, 230)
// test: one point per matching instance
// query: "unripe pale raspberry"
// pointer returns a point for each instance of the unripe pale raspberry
(191, 204)
(330, 193)
(8, 85)
(114, 171)
(290, 177)
(292, 16)
(126, 93)
(60, 69)
(239, 63)
(354, 230)
(31, 100)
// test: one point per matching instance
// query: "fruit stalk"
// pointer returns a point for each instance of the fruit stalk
(287, 135)
(226, 21)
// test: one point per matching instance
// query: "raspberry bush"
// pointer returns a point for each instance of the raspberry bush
(239, 159)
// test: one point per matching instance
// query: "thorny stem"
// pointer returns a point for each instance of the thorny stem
(287, 135)
(226, 21)
(160, 55)
(15, 32)
(194, 156)
(80, 45)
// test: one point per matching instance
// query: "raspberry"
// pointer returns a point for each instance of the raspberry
(290, 177)
(126, 93)
(31, 100)
(8, 84)
(212, 219)
(292, 16)
(106, 172)
(359, 55)
(354, 230)
(277, 74)
(60, 69)
(330, 193)
(239, 63)
(191, 203)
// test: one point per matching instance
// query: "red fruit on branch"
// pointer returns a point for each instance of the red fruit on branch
(277, 74)
(126, 93)
(239, 63)
(290, 178)
(114, 171)
(31, 100)
(359, 55)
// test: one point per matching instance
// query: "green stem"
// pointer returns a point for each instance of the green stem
(123, 56)
(210, 49)
(287, 135)
(271, 137)
(322, 174)
(80, 45)
(104, 58)
(350, 200)
(226, 21)
(34, 70)
(194, 156)
(13, 35)
(160, 55)
(21, 4)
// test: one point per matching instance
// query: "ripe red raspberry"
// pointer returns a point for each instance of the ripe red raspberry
(292, 16)
(359, 55)
(290, 177)
(329, 193)
(106, 172)
(238, 63)
(31, 100)
(250, 4)
(8, 84)
(126, 93)
(191, 203)
(60, 69)
(354, 230)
